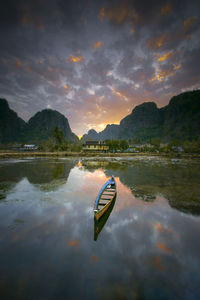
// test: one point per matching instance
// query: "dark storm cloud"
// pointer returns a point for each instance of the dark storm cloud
(73, 12)
(97, 68)
(87, 59)
(9, 13)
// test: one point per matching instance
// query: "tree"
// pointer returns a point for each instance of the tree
(123, 145)
(58, 135)
(155, 142)
(56, 142)
(75, 147)
(113, 145)
(175, 143)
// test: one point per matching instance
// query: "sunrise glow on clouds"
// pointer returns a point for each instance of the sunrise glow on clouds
(95, 61)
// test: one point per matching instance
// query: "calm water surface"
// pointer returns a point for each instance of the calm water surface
(149, 248)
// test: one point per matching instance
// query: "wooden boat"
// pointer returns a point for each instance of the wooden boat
(100, 223)
(104, 198)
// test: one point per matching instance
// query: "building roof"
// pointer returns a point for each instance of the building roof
(94, 143)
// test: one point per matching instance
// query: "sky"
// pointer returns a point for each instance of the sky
(95, 60)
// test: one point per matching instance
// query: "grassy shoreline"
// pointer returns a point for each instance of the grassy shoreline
(93, 154)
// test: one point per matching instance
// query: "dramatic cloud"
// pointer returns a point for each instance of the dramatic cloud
(97, 44)
(75, 58)
(94, 61)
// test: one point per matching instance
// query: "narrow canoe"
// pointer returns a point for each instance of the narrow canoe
(104, 198)
(100, 223)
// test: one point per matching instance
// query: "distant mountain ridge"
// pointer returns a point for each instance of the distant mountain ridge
(11, 126)
(180, 119)
(110, 132)
(43, 122)
(38, 128)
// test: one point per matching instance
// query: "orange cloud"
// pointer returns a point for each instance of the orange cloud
(132, 31)
(177, 67)
(164, 248)
(166, 9)
(75, 59)
(158, 263)
(102, 13)
(66, 87)
(159, 227)
(73, 243)
(161, 75)
(97, 45)
(101, 126)
(15, 237)
(157, 42)
(187, 24)
(165, 56)
(18, 63)
(94, 258)
(119, 94)
(119, 14)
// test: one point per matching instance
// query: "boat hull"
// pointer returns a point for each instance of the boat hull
(104, 198)
(98, 214)
(100, 223)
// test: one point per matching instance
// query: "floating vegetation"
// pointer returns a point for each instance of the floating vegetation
(5, 186)
(143, 195)
(51, 186)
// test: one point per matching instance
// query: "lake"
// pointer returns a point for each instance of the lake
(148, 247)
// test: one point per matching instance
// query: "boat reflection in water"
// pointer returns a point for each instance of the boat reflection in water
(100, 223)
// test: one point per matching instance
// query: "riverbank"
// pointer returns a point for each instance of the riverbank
(93, 154)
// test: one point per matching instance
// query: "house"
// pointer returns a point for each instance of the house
(177, 149)
(95, 146)
(30, 147)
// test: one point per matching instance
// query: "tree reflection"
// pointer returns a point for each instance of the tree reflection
(178, 182)
(47, 174)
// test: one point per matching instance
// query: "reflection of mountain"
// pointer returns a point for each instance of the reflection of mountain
(99, 224)
(178, 183)
(37, 171)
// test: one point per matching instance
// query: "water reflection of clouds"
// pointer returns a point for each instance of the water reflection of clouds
(145, 249)
(89, 183)
(121, 223)
(155, 228)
